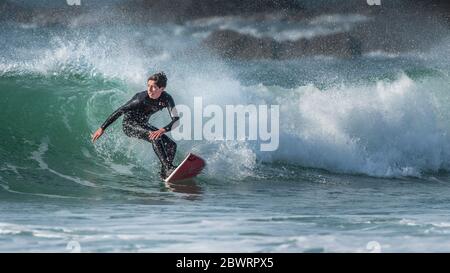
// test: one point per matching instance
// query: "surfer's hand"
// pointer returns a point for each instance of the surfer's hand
(97, 134)
(156, 134)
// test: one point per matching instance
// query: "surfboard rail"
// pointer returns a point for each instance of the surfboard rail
(190, 167)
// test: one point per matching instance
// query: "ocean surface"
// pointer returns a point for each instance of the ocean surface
(363, 163)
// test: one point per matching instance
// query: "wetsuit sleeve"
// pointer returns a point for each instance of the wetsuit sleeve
(132, 103)
(173, 115)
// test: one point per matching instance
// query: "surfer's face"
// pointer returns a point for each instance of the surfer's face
(153, 90)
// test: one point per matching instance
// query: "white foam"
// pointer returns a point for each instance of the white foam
(388, 129)
(36, 231)
(278, 27)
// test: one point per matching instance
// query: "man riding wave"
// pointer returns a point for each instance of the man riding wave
(137, 112)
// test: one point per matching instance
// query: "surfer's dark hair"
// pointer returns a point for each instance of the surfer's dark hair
(160, 79)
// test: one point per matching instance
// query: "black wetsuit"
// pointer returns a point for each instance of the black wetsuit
(137, 112)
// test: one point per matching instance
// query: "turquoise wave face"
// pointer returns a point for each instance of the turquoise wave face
(45, 137)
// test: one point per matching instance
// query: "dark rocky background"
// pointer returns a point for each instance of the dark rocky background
(395, 26)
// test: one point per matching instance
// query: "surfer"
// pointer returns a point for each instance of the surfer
(137, 112)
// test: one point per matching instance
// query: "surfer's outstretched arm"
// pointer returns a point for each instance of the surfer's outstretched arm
(133, 102)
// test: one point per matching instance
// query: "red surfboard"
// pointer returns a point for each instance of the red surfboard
(191, 166)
